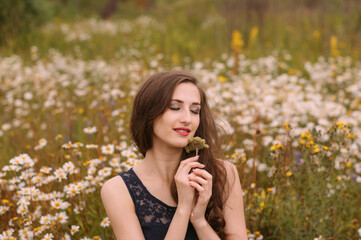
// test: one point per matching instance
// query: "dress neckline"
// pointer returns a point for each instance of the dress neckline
(150, 194)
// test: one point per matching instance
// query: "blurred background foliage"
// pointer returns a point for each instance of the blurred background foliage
(198, 29)
(176, 32)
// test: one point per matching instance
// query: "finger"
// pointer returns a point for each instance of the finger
(189, 165)
(202, 173)
(198, 179)
(191, 159)
(198, 187)
(204, 191)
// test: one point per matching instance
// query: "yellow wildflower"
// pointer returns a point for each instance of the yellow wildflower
(286, 126)
(276, 146)
(306, 135)
(333, 46)
(350, 135)
(175, 59)
(222, 79)
(316, 34)
(340, 125)
(237, 41)
(315, 149)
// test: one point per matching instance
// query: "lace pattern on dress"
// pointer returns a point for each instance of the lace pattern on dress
(148, 208)
(154, 215)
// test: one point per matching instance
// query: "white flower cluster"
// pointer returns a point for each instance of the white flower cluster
(48, 208)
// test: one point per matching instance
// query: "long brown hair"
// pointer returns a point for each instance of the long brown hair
(152, 101)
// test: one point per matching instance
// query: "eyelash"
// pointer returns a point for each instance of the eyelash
(177, 108)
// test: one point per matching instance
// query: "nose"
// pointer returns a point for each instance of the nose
(186, 117)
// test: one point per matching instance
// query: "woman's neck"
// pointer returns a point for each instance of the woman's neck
(162, 163)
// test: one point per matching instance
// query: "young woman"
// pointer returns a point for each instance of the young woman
(171, 194)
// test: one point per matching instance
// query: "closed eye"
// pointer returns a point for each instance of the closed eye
(195, 111)
(174, 108)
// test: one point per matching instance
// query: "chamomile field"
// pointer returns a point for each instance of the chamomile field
(289, 115)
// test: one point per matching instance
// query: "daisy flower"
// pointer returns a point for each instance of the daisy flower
(48, 236)
(105, 222)
(45, 170)
(59, 204)
(26, 233)
(318, 238)
(69, 167)
(7, 233)
(61, 217)
(42, 143)
(91, 170)
(66, 237)
(91, 146)
(74, 229)
(3, 209)
(77, 145)
(90, 130)
(67, 145)
(105, 172)
(46, 220)
(71, 190)
(108, 149)
(60, 174)
(121, 146)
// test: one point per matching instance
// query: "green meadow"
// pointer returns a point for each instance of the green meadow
(282, 77)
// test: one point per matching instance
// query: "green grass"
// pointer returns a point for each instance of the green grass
(202, 30)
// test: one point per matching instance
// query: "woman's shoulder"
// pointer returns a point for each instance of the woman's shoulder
(115, 181)
(120, 209)
(114, 187)
(228, 166)
(231, 172)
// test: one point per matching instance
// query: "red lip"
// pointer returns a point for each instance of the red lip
(182, 128)
(182, 131)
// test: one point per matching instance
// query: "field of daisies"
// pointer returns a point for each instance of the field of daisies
(293, 134)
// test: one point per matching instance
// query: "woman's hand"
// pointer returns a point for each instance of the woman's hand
(201, 181)
(184, 189)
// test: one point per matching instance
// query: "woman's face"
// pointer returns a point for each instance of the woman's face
(180, 121)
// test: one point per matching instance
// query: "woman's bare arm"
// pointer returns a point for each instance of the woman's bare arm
(234, 210)
(120, 210)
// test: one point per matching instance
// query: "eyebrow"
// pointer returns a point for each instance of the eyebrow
(180, 101)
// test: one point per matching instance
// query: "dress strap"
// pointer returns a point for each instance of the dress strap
(130, 181)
